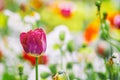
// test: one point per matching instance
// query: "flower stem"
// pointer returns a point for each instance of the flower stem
(20, 77)
(114, 45)
(36, 68)
(62, 53)
(118, 40)
(100, 17)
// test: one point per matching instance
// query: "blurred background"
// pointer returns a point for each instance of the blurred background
(85, 53)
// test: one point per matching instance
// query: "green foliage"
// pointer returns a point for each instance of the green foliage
(3, 24)
(102, 76)
(7, 76)
(62, 36)
(71, 76)
(69, 65)
(70, 46)
(56, 46)
(44, 75)
(11, 5)
(53, 68)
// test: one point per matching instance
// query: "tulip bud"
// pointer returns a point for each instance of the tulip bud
(44, 75)
(62, 36)
(104, 15)
(20, 69)
(103, 49)
(69, 65)
(98, 4)
(70, 46)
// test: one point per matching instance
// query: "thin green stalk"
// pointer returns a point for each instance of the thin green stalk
(20, 77)
(114, 45)
(62, 53)
(36, 68)
(118, 40)
(100, 18)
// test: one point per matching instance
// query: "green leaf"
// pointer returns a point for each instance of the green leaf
(56, 46)
(7, 76)
(53, 68)
(70, 46)
(102, 76)
(44, 75)
(71, 76)
(69, 65)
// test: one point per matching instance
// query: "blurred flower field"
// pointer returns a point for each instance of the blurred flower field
(60, 39)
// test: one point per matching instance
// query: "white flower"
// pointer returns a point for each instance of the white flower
(53, 38)
(41, 68)
(117, 58)
(79, 72)
(22, 1)
(98, 64)
(8, 12)
(15, 22)
(10, 47)
(32, 18)
(67, 5)
(27, 68)
(1, 69)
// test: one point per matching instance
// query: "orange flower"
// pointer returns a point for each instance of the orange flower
(43, 59)
(91, 31)
(36, 4)
(111, 17)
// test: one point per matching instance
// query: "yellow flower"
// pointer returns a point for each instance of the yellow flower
(36, 4)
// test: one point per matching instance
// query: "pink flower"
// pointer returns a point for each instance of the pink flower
(66, 12)
(34, 41)
(117, 21)
(66, 9)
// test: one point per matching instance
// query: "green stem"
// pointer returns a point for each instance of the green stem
(114, 45)
(100, 18)
(62, 53)
(118, 40)
(20, 77)
(36, 68)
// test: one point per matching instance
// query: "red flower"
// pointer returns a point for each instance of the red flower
(43, 59)
(34, 42)
(111, 17)
(1, 55)
(103, 49)
(2, 5)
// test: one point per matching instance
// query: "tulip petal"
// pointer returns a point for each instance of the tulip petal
(43, 39)
(23, 40)
(33, 46)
